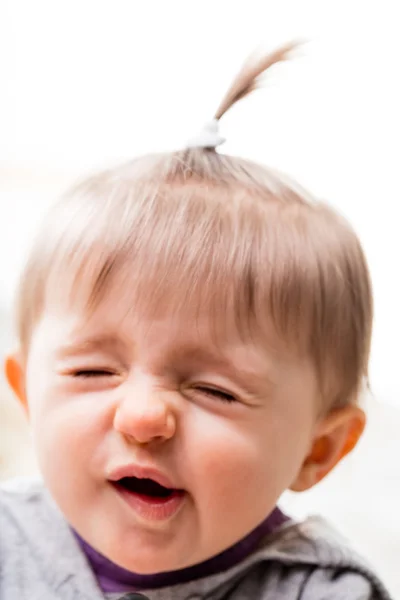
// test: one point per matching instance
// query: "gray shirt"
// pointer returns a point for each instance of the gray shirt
(40, 559)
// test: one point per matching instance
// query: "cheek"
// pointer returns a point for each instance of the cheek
(261, 454)
(69, 433)
(226, 455)
(71, 440)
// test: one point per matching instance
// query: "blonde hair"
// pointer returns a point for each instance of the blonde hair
(201, 229)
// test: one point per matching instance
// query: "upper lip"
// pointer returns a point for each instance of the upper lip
(141, 472)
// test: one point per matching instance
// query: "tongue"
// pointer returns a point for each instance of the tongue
(145, 487)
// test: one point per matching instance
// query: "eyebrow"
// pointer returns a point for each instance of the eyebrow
(250, 379)
(105, 343)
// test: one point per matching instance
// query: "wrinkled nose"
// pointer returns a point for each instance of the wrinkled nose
(145, 413)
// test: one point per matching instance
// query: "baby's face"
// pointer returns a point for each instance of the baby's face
(222, 432)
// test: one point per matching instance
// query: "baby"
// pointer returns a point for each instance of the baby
(194, 334)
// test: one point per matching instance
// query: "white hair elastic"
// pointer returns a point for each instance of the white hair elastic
(208, 137)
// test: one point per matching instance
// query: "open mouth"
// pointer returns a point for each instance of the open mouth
(148, 498)
(146, 487)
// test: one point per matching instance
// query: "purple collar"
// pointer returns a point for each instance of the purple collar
(113, 578)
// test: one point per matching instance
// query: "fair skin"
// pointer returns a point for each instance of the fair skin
(233, 427)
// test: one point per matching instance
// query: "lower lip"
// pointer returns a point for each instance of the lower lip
(150, 508)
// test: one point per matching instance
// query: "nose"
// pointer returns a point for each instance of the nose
(145, 414)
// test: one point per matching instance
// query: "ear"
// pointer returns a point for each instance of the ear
(336, 436)
(15, 374)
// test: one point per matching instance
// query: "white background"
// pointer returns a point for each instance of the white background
(89, 82)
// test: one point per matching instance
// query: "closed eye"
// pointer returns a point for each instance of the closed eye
(86, 373)
(217, 393)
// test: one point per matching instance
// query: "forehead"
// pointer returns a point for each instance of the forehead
(191, 334)
(206, 304)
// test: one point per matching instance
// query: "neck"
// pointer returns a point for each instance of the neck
(113, 578)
